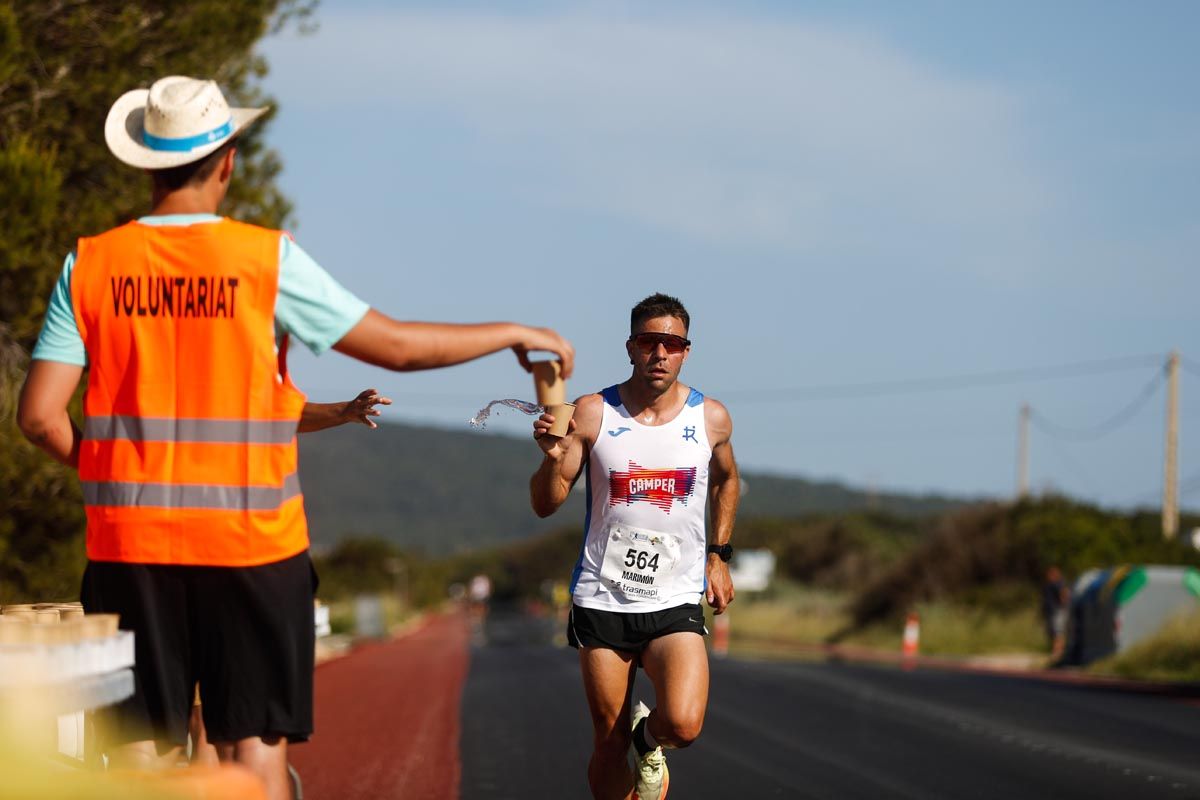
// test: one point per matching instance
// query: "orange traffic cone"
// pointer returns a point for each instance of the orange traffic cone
(912, 636)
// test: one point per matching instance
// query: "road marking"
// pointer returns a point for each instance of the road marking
(972, 722)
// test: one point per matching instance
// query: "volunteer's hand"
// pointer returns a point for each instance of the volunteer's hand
(362, 408)
(548, 340)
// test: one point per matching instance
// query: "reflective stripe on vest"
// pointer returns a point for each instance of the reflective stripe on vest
(189, 495)
(158, 429)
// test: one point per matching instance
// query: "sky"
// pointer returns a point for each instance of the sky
(852, 200)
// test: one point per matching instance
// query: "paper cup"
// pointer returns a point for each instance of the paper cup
(562, 413)
(548, 383)
(13, 631)
(23, 612)
(100, 626)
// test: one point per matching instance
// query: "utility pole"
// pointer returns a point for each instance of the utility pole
(1170, 507)
(1023, 452)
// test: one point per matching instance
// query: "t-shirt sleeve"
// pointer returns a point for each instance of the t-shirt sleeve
(311, 305)
(60, 339)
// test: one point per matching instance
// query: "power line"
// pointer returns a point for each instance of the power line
(1189, 366)
(1074, 466)
(942, 383)
(1126, 413)
(1189, 485)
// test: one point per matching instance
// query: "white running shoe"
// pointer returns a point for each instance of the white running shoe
(652, 776)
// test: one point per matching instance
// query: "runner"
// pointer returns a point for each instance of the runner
(196, 532)
(654, 450)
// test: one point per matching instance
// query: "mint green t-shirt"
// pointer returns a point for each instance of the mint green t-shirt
(310, 305)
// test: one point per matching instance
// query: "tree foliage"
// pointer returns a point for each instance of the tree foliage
(62, 64)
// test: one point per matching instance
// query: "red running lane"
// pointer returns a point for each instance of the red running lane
(387, 718)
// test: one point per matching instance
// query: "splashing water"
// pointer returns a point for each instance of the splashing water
(479, 421)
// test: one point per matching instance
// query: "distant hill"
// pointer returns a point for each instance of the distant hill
(444, 491)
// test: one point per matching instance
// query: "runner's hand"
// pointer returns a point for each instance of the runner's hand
(553, 446)
(362, 408)
(720, 586)
(548, 340)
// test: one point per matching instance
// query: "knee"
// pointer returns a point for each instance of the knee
(681, 731)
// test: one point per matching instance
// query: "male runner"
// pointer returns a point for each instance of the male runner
(654, 451)
(196, 532)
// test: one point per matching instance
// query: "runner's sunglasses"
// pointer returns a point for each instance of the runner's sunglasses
(648, 342)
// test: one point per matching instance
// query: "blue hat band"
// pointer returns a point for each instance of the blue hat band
(187, 142)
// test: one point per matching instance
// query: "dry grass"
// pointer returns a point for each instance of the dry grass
(1172, 654)
(956, 630)
(791, 614)
(796, 615)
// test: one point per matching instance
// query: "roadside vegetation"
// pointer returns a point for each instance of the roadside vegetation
(971, 575)
(1172, 654)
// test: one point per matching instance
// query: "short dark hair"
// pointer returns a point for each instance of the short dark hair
(658, 305)
(187, 174)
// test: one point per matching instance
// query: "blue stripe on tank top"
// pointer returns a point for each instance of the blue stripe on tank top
(587, 525)
(694, 399)
(612, 396)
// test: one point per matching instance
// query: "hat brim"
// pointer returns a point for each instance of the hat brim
(123, 134)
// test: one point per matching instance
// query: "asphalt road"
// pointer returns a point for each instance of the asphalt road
(823, 730)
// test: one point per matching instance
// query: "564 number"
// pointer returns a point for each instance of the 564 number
(641, 559)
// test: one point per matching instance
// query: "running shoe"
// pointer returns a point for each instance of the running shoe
(651, 774)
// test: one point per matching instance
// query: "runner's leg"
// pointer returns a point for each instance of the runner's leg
(677, 665)
(608, 682)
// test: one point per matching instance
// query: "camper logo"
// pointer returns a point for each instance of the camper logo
(659, 487)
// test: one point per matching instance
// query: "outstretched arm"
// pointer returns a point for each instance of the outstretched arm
(409, 346)
(563, 458)
(724, 492)
(42, 414)
(319, 416)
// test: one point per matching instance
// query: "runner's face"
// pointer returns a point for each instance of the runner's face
(657, 361)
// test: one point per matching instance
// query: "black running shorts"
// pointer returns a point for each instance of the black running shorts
(630, 632)
(245, 634)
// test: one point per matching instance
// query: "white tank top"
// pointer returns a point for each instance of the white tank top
(644, 538)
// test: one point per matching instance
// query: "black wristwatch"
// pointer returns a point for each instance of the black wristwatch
(724, 551)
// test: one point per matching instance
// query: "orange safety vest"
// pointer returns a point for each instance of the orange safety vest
(189, 445)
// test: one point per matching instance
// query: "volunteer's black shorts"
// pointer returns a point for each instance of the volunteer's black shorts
(618, 630)
(245, 634)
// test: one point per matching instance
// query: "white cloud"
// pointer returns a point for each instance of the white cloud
(798, 136)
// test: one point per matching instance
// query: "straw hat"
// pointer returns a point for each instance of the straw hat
(176, 121)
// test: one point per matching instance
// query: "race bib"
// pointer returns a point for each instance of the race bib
(640, 564)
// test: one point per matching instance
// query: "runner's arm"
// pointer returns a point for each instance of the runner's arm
(42, 413)
(319, 416)
(409, 346)
(563, 459)
(724, 492)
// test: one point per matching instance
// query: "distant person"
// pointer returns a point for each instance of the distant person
(654, 451)
(196, 533)
(1056, 600)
